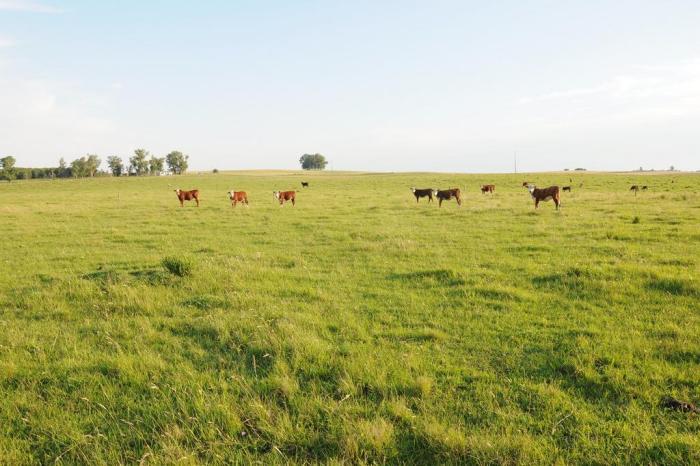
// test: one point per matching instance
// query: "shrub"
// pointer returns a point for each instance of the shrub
(179, 266)
(216, 170)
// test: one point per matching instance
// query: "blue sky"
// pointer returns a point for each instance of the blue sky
(373, 85)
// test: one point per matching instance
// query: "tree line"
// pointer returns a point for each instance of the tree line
(142, 163)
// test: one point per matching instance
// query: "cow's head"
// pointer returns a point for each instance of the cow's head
(230, 194)
(531, 188)
(276, 194)
(413, 190)
(435, 192)
(177, 191)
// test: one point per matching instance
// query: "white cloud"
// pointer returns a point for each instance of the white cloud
(48, 119)
(4, 42)
(681, 79)
(28, 6)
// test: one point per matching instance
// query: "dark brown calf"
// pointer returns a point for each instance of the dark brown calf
(488, 188)
(304, 184)
(428, 192)
(447, 194)
(187, 196)
(566, 188)
(284, 196)
(238, 196)
(545, 194)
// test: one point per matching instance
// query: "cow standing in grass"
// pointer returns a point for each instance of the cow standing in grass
(238, 196)
(427, 192)
(488, 188)
(284, 196)
(447, 194)
(183, 196)
(544, 194)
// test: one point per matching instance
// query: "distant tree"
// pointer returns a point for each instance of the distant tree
(673, 168)
(641, 169)
(63, 170)
(8, 168)
(116, 165)
(177, 162)
(313, 162)
(139, 162)
(79, 168)
(216, 170)
(155, 165)
(92, 164)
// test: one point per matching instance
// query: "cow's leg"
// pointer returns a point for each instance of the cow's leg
(537, 203)
(293, 202)
(416, 199)
(440, 203)
(196, 199)
(182, 203)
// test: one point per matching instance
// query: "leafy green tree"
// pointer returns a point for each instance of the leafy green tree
(139, 162)
(177, 162)
(313, 162)
(79, 168)
(116, 165)
(156, 165)
(8, 168)
(92, 164)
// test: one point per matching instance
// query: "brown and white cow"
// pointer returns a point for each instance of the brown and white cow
(284, 196)
(488, 188)
(238, 196)
(544, 194)
(427, 192)
(447, 194)
(187, 196)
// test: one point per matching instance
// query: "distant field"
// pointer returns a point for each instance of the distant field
(355, 327)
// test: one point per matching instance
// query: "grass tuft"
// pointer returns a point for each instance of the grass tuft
(178, 266)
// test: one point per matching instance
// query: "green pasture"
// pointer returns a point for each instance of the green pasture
(356, 327)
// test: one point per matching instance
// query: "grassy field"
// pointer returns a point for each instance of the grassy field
(355, 327)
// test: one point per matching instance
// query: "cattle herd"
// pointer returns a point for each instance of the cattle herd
(550, 193)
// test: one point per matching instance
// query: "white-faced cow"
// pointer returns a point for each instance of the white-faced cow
(187, 196)
(447, 194)
(427, 192)
(238, 196)
(544, 194)
(284, 196)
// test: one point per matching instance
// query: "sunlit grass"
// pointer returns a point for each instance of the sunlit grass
(357, 326)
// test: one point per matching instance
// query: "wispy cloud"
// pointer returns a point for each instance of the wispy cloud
(28, 6)
(680, 79)
(5, 42)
